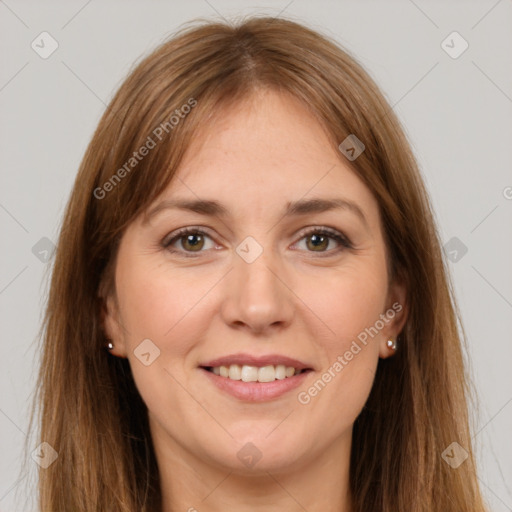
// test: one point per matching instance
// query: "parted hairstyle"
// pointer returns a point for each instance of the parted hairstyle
(87, 406)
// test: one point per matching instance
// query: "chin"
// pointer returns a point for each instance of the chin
(252, 454)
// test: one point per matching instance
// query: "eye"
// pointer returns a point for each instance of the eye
(318, 240)
(191, 240)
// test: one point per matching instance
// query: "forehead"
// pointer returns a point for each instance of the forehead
(265, 151)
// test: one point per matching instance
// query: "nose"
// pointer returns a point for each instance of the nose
(256, 296)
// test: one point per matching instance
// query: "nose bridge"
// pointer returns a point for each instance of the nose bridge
(255, 293)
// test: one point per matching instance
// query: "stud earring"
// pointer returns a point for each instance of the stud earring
(110, 345)
(391, 344)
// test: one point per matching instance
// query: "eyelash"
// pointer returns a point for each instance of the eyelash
(323, 230)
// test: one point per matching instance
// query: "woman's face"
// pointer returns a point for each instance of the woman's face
(262, 285)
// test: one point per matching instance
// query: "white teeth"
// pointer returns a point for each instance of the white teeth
(280, 371)
(267, 374)
(248, 373)
(235, 372)
(289, 371)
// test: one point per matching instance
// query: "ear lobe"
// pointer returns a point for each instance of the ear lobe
(111, 325)
(397, 311)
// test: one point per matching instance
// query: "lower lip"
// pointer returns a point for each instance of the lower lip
(256, 391)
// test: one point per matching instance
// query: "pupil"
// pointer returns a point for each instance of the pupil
(318, 240)
(190, 240)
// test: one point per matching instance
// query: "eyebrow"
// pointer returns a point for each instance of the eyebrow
(301, 207)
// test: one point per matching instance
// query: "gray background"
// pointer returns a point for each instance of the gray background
(456, 112)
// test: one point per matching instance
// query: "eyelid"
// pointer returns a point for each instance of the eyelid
(333, 233)
(320, 228)
(175, 236)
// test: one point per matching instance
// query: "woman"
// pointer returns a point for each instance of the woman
(249, 307)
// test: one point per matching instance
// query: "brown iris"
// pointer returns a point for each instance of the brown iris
(194, 241)
(318, 241)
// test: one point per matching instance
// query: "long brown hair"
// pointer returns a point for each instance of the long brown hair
(90, 411)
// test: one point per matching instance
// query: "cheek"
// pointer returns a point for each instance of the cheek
(350, 300)
(155, 302)
(350, 355)
(168, 308)
(350, 304)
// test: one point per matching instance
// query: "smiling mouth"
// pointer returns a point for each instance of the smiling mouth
(248, 373)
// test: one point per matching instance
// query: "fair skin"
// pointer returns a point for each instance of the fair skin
(298, 299)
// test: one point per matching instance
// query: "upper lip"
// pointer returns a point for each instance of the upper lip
(250, 360)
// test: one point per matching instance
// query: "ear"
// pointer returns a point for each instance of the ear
(112, 326)
(396, 315)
